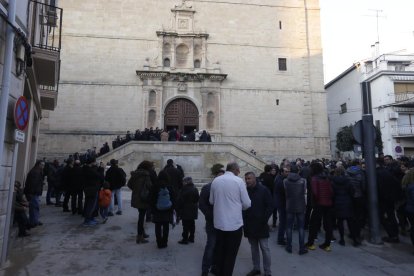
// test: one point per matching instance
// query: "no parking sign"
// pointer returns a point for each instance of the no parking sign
(21, 113)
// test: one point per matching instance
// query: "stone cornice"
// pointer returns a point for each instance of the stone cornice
(172, 33)
(143, 75)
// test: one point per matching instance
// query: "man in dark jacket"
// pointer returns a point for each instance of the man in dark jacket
(267, 178)
(175, 176)
(116, 177)
(388, 193)
(295, 189)
(77, 189)
(207, 209)
(33, 191)
(91, 185)
(279, 198)
(255, 226)
(187, 207)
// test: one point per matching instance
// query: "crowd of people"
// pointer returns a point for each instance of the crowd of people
(157, 134)
(293, 195)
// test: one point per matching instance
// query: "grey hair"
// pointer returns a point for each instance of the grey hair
(232, 166)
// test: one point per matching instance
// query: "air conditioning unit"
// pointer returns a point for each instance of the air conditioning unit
(393, 115)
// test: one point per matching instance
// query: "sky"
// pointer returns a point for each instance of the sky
(349, 28)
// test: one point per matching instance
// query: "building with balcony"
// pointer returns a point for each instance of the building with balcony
(392, 92)
(30, 67)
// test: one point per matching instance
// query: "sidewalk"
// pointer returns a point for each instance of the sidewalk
(62, 246)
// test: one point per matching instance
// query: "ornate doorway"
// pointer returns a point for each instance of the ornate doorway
(181, 114)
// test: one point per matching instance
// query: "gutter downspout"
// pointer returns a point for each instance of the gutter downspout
(5, 91)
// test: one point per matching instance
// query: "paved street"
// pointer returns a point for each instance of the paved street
(62, 246)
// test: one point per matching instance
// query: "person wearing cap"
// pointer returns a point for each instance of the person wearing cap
(187, 206)
(116, 177)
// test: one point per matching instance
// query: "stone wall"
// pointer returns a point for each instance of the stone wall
(277, 113)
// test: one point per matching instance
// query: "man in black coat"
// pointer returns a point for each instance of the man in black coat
(207, 209)
(77, 189)
(116, 178)
(175, 175)
(33, 190)
(92, 181)
(388, 192)
(255, 221)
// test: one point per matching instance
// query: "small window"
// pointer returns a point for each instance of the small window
(166, 62)
(282, 64)
(197, 63)
(343, 108)
(280, 25)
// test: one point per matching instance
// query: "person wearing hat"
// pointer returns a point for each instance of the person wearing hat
(116, 177)
(187, 206)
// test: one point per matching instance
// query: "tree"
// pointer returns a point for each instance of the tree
(344, 139)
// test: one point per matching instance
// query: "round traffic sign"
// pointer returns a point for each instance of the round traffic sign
(21, 113)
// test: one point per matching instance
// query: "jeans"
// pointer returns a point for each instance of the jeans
(274, 217)
(162, 230)
(300, 222)
(188, 229)
(34, 210)
(359, 208)
(66, 200)
(103, 211)
(141, 218)
(320, 213)
(264, 247)
(282, 225)
(90, 207)
(208, 261)
(116, 193)
(227, 247)
(351, 226)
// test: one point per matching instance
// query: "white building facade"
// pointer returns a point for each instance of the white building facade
(392, 91)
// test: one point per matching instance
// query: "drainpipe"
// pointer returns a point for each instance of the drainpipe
(5, 88)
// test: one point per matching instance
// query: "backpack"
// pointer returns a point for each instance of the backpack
(163, 200)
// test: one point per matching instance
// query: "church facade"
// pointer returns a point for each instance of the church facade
(248, 72)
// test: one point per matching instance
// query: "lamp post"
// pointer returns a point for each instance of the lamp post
(370, 164)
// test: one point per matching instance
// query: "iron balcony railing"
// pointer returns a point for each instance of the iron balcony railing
(402, 97)
(46, 26)
(403, 130)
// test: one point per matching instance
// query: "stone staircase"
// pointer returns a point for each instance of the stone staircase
(195, 158)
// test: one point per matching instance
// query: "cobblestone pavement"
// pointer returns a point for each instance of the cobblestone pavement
(62, 246)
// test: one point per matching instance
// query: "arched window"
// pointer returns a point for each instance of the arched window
(167, 62)
(152, 98)
(197, 63)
